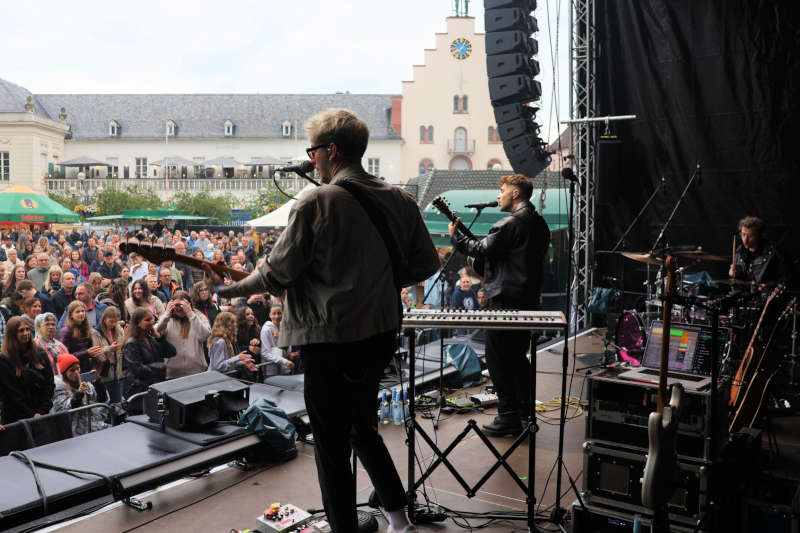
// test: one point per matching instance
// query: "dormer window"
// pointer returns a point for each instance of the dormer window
(228, 128)
(113, 128)
(286, 128)
(171, 128)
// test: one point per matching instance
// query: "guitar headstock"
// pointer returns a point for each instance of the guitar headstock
(154, 254)
(776, 292)
(443, 207)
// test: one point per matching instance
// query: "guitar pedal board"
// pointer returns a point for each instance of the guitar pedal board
(283, 518)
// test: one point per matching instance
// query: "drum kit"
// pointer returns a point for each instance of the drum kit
(633, 324)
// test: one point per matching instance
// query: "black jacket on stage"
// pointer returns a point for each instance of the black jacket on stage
(513, 257)
(765, 265)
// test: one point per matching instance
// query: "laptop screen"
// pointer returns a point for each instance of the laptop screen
(689, 348)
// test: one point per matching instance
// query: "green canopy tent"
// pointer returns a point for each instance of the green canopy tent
(556, 212)
(21, 204)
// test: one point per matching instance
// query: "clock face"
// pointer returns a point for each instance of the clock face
(461, 48)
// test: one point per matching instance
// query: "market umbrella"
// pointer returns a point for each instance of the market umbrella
(83, 161)
(20, 203)
(264, 161)
(224, 162)
(175, 160)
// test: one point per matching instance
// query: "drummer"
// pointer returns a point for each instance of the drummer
(755, 258)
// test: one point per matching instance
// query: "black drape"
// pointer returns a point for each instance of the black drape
(715, 82)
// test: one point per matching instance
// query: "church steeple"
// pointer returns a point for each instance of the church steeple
(461, 8)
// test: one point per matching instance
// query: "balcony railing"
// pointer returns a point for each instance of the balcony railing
(220, 185)
(456, 146)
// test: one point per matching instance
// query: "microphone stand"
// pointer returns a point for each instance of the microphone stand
(635, 220)
(675, 209)
(440, 279)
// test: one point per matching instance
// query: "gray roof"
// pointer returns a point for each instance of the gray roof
(428, 186)
(142, 116)
(13, 98)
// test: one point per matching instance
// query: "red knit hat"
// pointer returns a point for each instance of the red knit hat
(66, 360)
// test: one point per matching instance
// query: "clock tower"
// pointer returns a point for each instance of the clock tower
(447, 118)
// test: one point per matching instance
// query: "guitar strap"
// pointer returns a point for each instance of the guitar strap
(379, 221)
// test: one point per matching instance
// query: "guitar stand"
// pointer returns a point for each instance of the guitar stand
(440, 456)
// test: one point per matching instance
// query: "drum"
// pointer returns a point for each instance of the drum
(631, 334)
(698, 314)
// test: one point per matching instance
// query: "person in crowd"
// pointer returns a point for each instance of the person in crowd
(117, 295)
(96, 281)
(197, 275)
(166, 285)
(110, 269)
(218, 258)
(139, 267)
(38, 275)
(30, 263)
(31, 308)
(259, 303)
(71, 393)
(246, 330)
(406, 299)
(45, 327)
(222, 347)
(66, 294)
(109, 337)
(125, 273)
(11, 304)
(4, 275)
(13, 260)
(203, 302)
(145, 352)
(26, 377)
(332, 258)
(90, 251)
(53, 283)
(17, 275)
(26, 289)
(281, 360)
(483, 301)
(77, 337)
(94, 309)
(185, 270)
(464, 297)
(141, 297)
(66, 266)
(152, 285)
(513, 263)
(79, 264)
(187, 330)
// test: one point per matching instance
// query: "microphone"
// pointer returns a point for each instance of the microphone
(484, 205)
(568, 174)
(301, 168)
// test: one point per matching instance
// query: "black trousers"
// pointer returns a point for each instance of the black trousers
(341, 391)
(509, 369)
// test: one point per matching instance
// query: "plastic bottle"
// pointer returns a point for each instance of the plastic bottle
(385, 412)
(405, 403)
(397, 409)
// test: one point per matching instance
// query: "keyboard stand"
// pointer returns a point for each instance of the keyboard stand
(528, 432)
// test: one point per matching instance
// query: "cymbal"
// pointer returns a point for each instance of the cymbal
(699, 255)
(643, 257)
(732, 282)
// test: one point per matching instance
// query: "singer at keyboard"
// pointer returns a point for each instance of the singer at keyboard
(512, 255)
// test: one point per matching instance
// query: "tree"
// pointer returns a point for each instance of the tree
(115, 201)
(204, 204)
(264, 202)
(67, 200)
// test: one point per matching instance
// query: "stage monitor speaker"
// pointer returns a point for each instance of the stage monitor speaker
(515, 88)
(509, 19)
(507, 64)
(506, 42)
(196, 400)
(526, 5)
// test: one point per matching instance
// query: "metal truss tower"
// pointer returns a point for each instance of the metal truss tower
(583, 142)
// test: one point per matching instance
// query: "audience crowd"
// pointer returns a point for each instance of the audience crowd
(81, 322)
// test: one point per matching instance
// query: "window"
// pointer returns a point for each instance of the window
(425, 166)
(141, 167)
(4, 166)
(126, 172)
(460, 104)
(460, 162)
(113, 170)
(492, 163)
(172, 171)
(461, 140)
(170, 128)
(113, 128)
(228, 128)
(374, 166)
(426, 134)
(493, 137)
(464, 107)
(286, 128)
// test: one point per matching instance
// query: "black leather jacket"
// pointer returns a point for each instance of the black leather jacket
(513, 257)
(765, 265)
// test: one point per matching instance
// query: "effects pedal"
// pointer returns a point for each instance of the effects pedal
(460, 402)
(484, 399)
(279, 518)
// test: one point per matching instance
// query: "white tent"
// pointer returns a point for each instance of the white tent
(280, 217)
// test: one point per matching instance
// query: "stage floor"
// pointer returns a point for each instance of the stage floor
(230, 498)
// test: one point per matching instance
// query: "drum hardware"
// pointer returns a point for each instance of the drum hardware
(734, 282)
(793, 357)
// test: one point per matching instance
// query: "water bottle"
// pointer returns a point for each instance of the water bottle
(385, 412)
(405, 403)
(397, 409)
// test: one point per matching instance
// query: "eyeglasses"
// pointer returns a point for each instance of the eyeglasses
(255, 344)
(310, 151)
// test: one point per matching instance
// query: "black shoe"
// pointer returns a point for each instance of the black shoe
(503, 426)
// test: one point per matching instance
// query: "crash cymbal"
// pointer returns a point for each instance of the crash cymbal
(644, 257)
(699, 255)
(732, 282)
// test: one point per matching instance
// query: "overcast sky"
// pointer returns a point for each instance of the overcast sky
(244, 46)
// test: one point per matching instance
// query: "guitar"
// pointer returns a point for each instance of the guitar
(443, 207)
(758, 380)
(159, 254)
(662, 462)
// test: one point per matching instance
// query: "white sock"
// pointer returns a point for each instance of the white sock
(397, 519)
